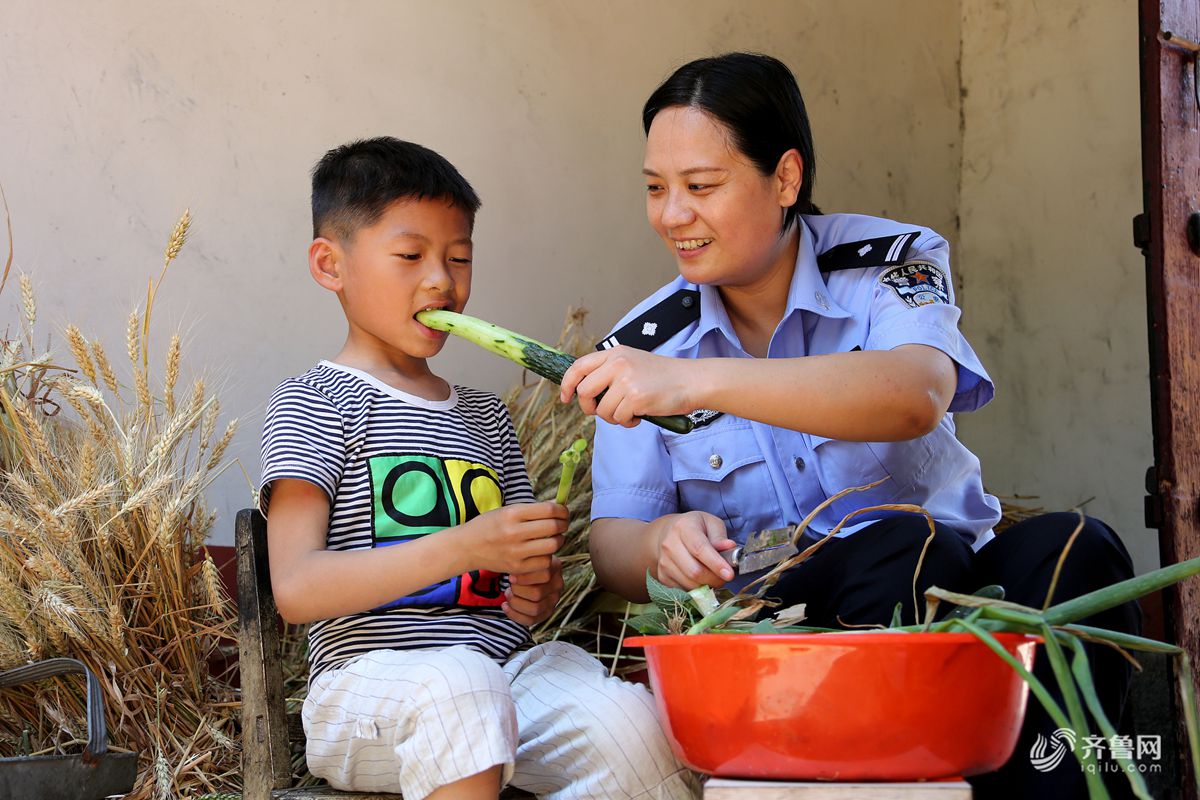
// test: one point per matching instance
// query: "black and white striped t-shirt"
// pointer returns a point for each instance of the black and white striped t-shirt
(396, 467)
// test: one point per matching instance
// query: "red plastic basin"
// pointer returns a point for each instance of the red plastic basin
(858, 706)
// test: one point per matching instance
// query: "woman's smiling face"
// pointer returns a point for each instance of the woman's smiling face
(712, 207)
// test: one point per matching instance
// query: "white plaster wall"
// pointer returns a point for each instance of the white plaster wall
(116, 115)
(1055, 301)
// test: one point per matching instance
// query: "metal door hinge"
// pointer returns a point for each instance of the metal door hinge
(1141, 232)
(1152, 502)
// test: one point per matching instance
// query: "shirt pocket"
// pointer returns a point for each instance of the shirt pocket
(842, 465)
(722, 471)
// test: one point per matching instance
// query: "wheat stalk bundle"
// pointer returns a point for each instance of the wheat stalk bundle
(102, 525)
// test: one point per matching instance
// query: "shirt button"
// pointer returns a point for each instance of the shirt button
(800, 463)
(715, 461)
(821, 301)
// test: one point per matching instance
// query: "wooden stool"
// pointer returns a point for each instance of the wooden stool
(726, 789)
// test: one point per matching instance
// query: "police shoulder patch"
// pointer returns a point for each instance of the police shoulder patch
(918, 283)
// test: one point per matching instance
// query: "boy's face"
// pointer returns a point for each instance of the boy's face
(416, 256)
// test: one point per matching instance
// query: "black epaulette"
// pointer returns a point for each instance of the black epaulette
(886, 251)
(658, 323)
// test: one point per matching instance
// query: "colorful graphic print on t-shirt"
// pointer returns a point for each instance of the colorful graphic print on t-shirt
(415, 494)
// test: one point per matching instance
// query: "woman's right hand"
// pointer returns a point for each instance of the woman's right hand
(517, 538)
(634, 384)
(689, 550)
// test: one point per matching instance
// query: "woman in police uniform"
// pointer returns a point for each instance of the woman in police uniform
(816, 353)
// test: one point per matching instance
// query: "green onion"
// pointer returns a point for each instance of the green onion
(569, 460)
(1118, 593)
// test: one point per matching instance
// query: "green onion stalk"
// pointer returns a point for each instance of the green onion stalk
(569, 460)
(539, 358)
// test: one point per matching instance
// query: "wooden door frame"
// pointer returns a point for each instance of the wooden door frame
(1171, 190)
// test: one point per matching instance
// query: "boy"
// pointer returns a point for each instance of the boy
(402, 524)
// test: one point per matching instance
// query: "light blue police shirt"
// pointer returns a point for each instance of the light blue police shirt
(756, 476)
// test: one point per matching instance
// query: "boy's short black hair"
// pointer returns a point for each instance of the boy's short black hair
(353, 185)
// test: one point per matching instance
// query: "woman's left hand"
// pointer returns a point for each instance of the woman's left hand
(635, 384)
(532, 596)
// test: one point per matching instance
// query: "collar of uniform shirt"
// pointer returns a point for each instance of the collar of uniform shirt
(805, 293)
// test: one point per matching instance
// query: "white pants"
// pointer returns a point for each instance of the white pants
(410, 721)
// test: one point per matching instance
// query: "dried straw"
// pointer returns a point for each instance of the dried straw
(102, 524)
(8, 260)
